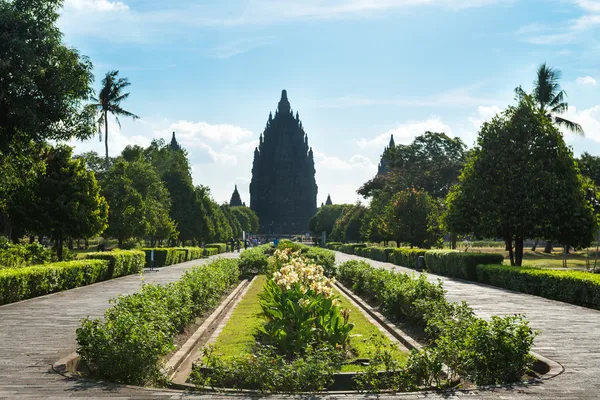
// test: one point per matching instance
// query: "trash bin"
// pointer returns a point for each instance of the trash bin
(420, 263)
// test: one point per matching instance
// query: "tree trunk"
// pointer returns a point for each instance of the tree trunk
(106, 137)
(548, 248)
(6, 225)
(86, 244)
(31, 239)
(507, 245)
(59, 249)
(511, 254)
(120, 242)
(453, 238)
(534, 247)
(518, 251)
(70, 244)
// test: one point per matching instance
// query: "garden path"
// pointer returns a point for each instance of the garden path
(36, 333)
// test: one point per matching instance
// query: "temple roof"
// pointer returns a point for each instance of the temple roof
(174, 145)
(328, 202)
(284, 104)
(236, 200)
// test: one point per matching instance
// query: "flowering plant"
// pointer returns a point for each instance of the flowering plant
(300, 306)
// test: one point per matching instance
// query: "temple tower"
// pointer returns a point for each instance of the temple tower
(283, 190)
(383, 167)
(236, 199)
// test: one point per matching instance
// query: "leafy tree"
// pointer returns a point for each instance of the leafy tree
(94, 163)
(432, 162)
(43, 83)
(109, 101)
(246, 217)
(521, 181)
(375, 226)
(590, 167)
(347, 227)
(66, 201)
(325, 219)
(409, 215)
(234, 224)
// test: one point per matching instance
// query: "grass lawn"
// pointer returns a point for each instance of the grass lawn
(237, 337)
(576, 259)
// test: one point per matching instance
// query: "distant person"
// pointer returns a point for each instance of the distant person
(232, 243)
(276, 242)
(246, 244)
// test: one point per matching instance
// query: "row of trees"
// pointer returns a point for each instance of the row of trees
(46, 96)
(520, 181)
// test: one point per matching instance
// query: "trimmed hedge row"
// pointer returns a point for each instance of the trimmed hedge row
(18, 284)
(120, 262)
(255, 260)
(575, 287)
(164, 256)
(406, 257)
(137, 332)
(457, 264)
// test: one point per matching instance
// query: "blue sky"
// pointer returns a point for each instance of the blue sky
(356, 70)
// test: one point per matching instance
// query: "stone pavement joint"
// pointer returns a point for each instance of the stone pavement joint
(38, 332)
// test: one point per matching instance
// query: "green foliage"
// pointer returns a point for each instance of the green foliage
(221, 247)
(522, 166)
(246, 217)
(325, 218)
(129, 344)
(486, 352)
(164, 256)
(589, 166)
(405, 257)
(18, 284)
(575, 287)
(348, 225)
(254, 261)
(267, 371)
(20, 255)
(459, 264)
(350, 248)
(411, 218)
(57, 79)
(120, 262)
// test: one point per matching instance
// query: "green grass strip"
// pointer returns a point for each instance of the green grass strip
(237, 337)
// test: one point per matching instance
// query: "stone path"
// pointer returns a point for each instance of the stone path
(35, 333)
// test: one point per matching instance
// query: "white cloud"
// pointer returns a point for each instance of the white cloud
(240, 46)
(96, 5)
(586, 80)
(405, 133)
(589, 119)
(484, 114)
(357, 161)
(189, 132)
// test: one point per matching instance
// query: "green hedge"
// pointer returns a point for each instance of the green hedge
(406, 257)
(254, 260)
(221, 247)
(333, 245)
(210, 251)
(457, 264)
(18, 284)
(575, 287)
(164, 256)
(351, 248)
(129, 344)
(482, 351)
(120, 262)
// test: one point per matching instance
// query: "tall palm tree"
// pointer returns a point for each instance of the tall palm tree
(550, 98)
(109, 101)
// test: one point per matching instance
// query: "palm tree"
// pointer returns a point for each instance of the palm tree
(550, 98)
(109, 101)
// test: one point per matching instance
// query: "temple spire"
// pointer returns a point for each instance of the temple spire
(284, 104)
(328, 202)
(174, 145)
(392, 144)
(236, 200)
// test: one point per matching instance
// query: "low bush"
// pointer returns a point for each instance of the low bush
(333, 245)
(221, 247)
(130, 343)
(210, 251)
(485, 352)
(120, 262)
(18, 284)
(21, 255)
(164, 256)
(458, 264)
(575, 287)
(377, 253)
(254, 261)
(351, 248)
(406, 257)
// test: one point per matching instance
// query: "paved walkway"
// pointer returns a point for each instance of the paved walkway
(37, 332)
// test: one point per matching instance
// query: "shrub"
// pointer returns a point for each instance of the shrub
(350, 248)
(575, 287)
(23, 283)
(130, 343)
(457, 264)
(333, 245)
(20, 255)
(486, 352)
(210, 251)
(377, 253)
(322, 257)
(120, 262)
(253, 261)
(221, 247)
(175, 255)
(406, 257)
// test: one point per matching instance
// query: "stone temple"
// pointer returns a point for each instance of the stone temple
(283, 190)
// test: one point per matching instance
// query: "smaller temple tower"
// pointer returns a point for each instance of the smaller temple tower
(174, 145)
(236, 199)
(328, 202)
(383, 164)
